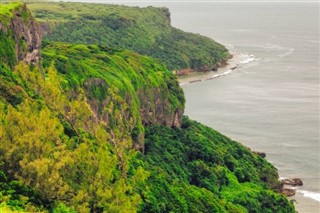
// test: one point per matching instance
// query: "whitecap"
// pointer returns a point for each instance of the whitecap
(312, 195)
(247, 61)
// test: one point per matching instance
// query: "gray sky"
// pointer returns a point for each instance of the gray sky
(166, 3)
(186, 1)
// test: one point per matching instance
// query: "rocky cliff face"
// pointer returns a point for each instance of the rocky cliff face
(23, 36)
(137, 90)
(155, 109)
(154, 105)
(141, 89)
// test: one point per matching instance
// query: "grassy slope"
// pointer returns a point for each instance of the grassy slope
(9, 89)
(7, 46)
(7, 10)
(143, 30)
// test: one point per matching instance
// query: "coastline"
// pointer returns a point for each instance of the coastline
(233, 64)
(303, 198)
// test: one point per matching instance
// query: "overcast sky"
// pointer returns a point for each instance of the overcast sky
(163, 3)
(185, 1)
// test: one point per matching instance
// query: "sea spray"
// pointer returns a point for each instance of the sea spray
(312, 195)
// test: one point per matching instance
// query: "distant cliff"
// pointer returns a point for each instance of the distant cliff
(147, 31)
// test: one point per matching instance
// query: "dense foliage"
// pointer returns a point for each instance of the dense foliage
(96, 69)
(196, 169)
(143, 30)
(7, 45)
(52, 146)
(71, 128)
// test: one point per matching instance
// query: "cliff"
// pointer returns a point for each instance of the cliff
(147, 31)
(150, 91)
(20, 35)
(96, 129)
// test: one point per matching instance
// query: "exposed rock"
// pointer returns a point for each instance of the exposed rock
(297, 182)
(288, 192)
(26, 34)
(286, 182)
(261, 154)
(28, 31)
(156, 109)
(292, 182)
(167, 14)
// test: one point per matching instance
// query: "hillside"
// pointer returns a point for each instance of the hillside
(147, 31)
(85, 128)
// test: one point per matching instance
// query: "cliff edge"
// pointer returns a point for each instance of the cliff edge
(20, 35)
(145, 30)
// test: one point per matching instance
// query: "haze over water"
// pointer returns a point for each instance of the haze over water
(272, 104)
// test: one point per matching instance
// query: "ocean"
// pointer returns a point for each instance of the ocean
(270, 103)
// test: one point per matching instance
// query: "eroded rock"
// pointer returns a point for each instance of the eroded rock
(292, 182)
(24, 34)
(288, 192)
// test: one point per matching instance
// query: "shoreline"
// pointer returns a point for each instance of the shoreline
(305, 198)
(233, 64)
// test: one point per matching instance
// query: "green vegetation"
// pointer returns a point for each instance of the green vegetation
(7, 49)
(55, 153)
(7, 10)
(143, 30)
(196, 169)
(97, 69)
(73, 127)
(7, 45)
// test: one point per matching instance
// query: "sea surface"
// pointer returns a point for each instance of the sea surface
(270, 103)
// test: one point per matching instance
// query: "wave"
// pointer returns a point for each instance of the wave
(280, 51)
(312, 195)
(248, 60)
(289, 51)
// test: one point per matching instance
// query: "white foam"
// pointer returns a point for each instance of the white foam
(282, 178)
(312, 195)
(248, 60)
(227, 72)
(289, 51)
